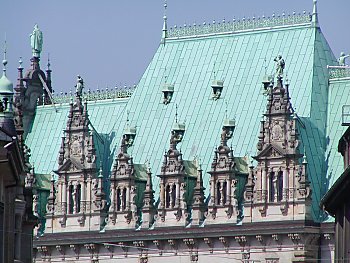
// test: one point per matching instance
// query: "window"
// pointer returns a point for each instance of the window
(70, 199)
(167, 196)
(78, 198)
(271, 187)
(118, 199)
(280, 186)
(218, 193)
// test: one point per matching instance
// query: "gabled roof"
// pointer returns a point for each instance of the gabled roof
(241, 59)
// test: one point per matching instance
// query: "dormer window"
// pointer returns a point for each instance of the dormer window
(129, 135)
(217, 86)
(168, 91)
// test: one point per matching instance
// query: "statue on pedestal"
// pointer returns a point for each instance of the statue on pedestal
(36, 41)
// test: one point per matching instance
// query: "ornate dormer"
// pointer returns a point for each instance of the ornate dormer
(80, 203)
(223, 201)
(123, 211)
(148, 210)
(172, 209)
(279, 173)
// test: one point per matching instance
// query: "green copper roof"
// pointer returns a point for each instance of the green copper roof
(45, 136)
(241, 60)
(6, 85)
(338, 96)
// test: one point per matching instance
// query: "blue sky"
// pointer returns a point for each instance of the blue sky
(111, 42)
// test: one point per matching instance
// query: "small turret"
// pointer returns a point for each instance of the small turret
(6, 101)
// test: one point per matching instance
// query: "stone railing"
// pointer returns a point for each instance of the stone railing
(338, 72)
(95, 95)
(239, 25)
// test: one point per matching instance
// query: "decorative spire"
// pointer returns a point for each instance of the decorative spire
(48, 62)
(198, 205)
(4, 61)
(47, 96)
(148, 209)
(314, 14)
(165, 24)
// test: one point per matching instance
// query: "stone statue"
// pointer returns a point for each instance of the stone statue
(36, 41)
(79, 86)
(279, 65)
(342, 58)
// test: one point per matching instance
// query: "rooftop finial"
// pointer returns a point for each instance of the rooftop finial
(165, 76)
(165, 24)
(100, 174)
(304, 158)
(176, 113)
(48, 61)
(4, 61)
(127, 118)
(214, 72)
(20, 61)
(314, 14)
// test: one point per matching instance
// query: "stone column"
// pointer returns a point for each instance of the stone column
(228, 191)
(83, 197)
(113, 199)
(74, 199)
(263, 185)
(212, 192)
(221, 192)
(285, 185)
(88, 194)
(64, 198)
(127, 198)
(178, 198)
(162, 195)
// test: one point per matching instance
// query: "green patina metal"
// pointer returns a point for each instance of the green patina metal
(338, 96)
(240, 60)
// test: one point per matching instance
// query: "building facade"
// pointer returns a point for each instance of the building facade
(17, 183)
(228, 161)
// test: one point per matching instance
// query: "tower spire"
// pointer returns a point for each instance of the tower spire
(314, 14)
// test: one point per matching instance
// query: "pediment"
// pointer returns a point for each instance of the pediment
(273, 151)
(70, 165)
